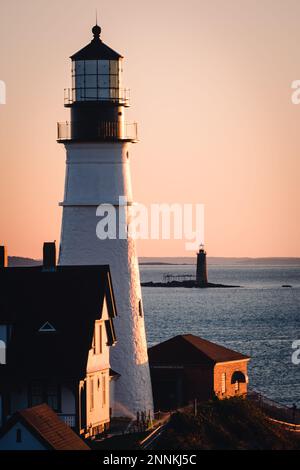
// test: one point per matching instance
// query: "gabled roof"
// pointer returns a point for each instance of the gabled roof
(47, 427)
(190, 349)
(70, 299)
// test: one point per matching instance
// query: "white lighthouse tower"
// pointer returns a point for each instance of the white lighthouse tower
(97, 142)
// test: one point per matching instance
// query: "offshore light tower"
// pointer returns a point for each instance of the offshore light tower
(97, 142)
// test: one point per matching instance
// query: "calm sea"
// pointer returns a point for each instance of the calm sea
(262, 319)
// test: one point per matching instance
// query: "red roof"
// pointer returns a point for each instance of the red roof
(48, 428)
(190, 349)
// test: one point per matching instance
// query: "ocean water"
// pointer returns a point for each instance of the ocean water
(261, 319)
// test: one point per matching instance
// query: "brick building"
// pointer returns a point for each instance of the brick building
(188, 367)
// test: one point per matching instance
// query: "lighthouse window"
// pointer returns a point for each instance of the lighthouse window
(114, 67)
(114, 81)
(80, 81)
(103, 81)
(96, 80)
(91, 81)
(140, 308)
(91, 67)
(103, 67)
(104, 93)
(79, 67)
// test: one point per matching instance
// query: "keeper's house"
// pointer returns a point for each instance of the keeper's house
(188, 367)
(56, 329)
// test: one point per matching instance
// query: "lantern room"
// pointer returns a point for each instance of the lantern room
(96, 99)
(96, 73)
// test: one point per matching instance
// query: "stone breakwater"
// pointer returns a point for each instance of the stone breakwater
(187, 284)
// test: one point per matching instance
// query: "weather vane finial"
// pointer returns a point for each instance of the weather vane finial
(96, 29)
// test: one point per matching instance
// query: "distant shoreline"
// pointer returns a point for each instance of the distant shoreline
(214, 261)
(15, 261)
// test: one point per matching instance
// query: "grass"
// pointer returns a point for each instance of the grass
(229, 424)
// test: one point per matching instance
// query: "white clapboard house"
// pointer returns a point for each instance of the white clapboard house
(56, 329)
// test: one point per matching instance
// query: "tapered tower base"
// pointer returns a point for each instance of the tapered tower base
(98, 174)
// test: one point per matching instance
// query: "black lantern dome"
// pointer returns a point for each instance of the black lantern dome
(96, 50)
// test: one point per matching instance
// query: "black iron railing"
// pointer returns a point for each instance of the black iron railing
(104, 130)
(275, 410)
(119, 96)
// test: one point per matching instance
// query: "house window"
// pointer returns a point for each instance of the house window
(91, 394)
(52, 397)
(103, 390)
(36, 394)
(19, 436)
(100, 340)
(237, 386)
(94, 345)
(41, 392)
(223, 383)
(2, 353)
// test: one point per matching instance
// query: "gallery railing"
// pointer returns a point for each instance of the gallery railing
(104, 130)
(119, 96)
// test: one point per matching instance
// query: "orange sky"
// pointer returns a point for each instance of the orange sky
(211, 85)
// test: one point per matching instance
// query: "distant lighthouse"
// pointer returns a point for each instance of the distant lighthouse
(201, 275)
(97, 142)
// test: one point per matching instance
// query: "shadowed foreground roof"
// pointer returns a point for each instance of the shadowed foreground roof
(68, 300)
(46, 426)
(190, 349)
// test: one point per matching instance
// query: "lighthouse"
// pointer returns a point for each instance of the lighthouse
(97, 141)
(201, 274)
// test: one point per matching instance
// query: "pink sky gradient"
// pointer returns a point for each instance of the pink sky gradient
(211, 90)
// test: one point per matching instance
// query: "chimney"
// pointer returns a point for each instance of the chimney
(49, 256)
(3, 257)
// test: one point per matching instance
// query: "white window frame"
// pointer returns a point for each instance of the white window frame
(91, 394)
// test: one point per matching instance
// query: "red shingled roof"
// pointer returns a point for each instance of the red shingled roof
(190, 349)
(48, 428)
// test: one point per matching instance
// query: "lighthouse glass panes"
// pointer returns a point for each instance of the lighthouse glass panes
(96, 80)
